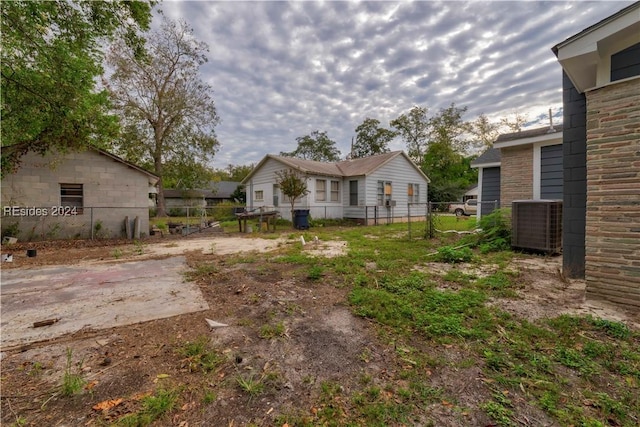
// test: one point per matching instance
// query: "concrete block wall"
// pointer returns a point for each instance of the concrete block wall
(613, 193)
(113, 189)
(574, 158)
(516, 174)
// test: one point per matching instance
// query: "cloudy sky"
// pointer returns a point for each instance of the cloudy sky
(281, 70)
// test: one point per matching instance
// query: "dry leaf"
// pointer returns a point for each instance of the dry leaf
(91, 385)
(107, 404)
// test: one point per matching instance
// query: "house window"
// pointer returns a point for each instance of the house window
(413, 193)
(353, 193)
(384, 192)
(335, 191)
(71, 195)
(259, 195)
(321, 190)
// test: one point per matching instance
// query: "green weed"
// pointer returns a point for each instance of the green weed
(199, 356)
(72, 382)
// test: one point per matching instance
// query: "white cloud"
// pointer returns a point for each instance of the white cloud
(282, 70)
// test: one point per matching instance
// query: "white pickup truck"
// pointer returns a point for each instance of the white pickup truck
(470, 207)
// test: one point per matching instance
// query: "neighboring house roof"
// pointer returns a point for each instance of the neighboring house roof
(581, 53)
(218, 190)
(345, 168)
(490, 157)
(542, 134)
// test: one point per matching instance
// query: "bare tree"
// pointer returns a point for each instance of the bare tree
(167, 111)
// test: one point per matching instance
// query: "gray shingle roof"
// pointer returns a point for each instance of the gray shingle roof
(492, 155)
(527, 133)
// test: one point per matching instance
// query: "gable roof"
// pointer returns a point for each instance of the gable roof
(153, 178)
(342, 169)
(542, 134)
(580, 54)
(490, 156)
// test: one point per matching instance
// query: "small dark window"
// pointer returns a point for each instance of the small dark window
(71, 195)
(626, 63)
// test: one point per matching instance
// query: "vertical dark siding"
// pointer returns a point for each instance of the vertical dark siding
(490, 189)
(626, 63)
(551, 172)
(574, 151)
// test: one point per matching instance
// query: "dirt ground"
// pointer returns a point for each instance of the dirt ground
(321, 340)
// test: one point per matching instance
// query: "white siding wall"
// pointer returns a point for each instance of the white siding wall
(400, 173)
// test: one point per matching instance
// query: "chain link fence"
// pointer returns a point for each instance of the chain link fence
(105, 222)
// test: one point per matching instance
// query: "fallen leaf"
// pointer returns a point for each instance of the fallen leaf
(91, 385)
(160, 376)
(107, 404)
(140, 396)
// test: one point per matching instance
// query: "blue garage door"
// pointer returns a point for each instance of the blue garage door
(551, 172)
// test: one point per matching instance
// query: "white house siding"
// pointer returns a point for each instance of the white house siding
(400, 173)
(355, 212)
(111, 191)
(264, 180)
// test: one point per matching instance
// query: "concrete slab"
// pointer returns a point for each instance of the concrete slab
(92, 296)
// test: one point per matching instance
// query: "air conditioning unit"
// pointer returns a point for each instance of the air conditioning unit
(537, 225)
(390, 203)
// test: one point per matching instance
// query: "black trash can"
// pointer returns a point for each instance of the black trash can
(301, 219)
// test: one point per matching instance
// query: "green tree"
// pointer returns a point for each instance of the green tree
(233, 172)
(448, 128)
(413, 127)
(371, 139)
(449, 171)
(484, 131)
(293, 185)
(514, 124)
(50, 62)
(167, 111)
(444, 161)
(316, 146)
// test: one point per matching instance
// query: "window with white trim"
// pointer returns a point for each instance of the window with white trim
(335, 191)
(413, 193)
(384, 192)
(321, 190)
(258, 195)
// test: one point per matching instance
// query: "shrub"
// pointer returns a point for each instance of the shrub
(453, 255)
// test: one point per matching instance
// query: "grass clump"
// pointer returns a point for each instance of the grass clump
(153, 408)
(72, 382)
(199, 356)
(269, 331)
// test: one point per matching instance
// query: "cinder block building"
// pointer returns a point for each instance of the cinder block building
(75, 195)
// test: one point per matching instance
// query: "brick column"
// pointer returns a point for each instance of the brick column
(613, 193)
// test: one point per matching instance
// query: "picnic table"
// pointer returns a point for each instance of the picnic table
(268, 217)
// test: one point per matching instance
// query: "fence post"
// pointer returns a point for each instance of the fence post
(91, 221)
(409, 218)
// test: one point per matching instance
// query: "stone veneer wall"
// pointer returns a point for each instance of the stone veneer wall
(516, 174)
(613, 193)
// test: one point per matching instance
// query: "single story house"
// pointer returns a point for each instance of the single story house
(217, 192)
(471, 193)
(601, 156)
(79, 194)
(372, 189)
(521, 165)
